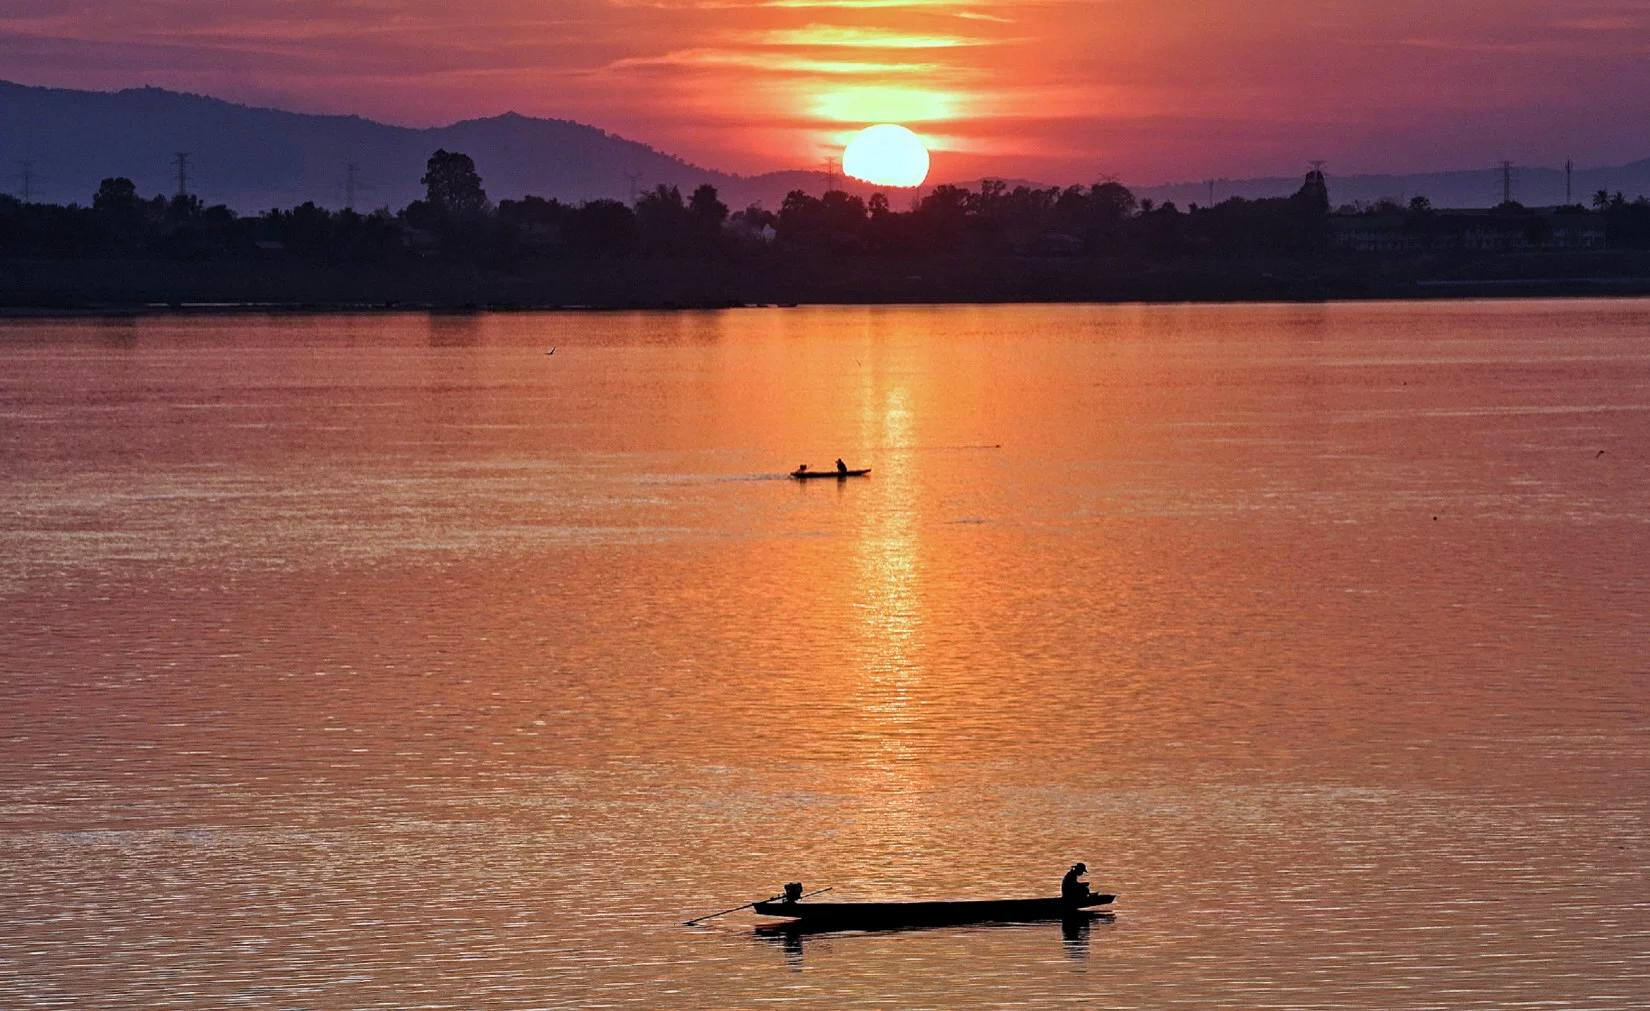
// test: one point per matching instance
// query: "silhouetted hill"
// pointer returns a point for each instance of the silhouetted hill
(254, 158)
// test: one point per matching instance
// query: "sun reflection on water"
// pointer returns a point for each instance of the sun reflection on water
(888, 608)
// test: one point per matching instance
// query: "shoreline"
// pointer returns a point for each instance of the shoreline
(43, 288)
(1533, 293)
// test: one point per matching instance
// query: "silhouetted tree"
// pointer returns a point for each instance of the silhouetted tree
(834, 223)
(662, 217)
(1313, 196)
(1311, 212)
(752, 227)
(116, 197)
(452, 187)
(753, 218)
(184, 206)
(602, 228)
(940, 219)
(1112, 201)
(537, 225)
(706, 216)
(706, 208)
(1627, 224)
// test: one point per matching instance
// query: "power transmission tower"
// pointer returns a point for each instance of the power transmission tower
(635, 180)
(349, 185)
(1320, 166)
(25, 173)
(1569, 181)
(1506, 182)
(831, 168)
(182, 158)
(1211, 183)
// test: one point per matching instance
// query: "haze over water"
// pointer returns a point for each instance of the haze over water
(386, 661)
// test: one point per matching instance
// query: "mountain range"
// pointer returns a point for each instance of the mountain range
(59, 143)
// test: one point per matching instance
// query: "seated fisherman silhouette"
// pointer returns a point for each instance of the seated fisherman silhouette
(841, 468)
(1073, 890)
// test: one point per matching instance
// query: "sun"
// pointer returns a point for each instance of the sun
(886, 155)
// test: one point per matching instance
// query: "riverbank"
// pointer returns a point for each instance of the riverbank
(135, 286)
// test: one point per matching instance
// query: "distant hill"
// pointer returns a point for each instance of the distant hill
(254, 158)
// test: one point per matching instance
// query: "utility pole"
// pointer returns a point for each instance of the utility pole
(1506, 182)
(26, 176)
(349, 186)
(182, 158)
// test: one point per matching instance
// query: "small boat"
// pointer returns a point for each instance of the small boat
(809, 475)
(883, 915)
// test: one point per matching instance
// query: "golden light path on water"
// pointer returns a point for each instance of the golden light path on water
(889, 605)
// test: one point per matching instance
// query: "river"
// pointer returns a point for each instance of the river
(387, 660)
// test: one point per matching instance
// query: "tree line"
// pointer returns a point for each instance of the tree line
(457, 220)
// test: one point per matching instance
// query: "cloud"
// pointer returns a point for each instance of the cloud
(858, 38)
(946, 7)
(771, 63)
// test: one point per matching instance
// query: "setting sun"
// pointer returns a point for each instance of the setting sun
(886, 155)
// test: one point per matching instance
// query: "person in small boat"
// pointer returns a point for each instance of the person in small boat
(802, 469)
(841, 468)
(1071, 889)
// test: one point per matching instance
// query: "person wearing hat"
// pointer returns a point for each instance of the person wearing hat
(1071, 889)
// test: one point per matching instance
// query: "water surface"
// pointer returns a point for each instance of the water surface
(387, 661)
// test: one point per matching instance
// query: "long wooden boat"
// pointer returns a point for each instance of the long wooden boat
(809, 475)
(879, 915)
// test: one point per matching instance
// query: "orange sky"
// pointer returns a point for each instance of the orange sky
(1055, 90)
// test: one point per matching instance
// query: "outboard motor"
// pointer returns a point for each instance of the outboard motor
(793, 891)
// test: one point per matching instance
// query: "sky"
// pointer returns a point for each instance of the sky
(1056, 91)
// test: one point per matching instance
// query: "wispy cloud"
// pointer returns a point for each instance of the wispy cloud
(1475, 45)
(772, 63)
(948, 7)
(811, 36)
